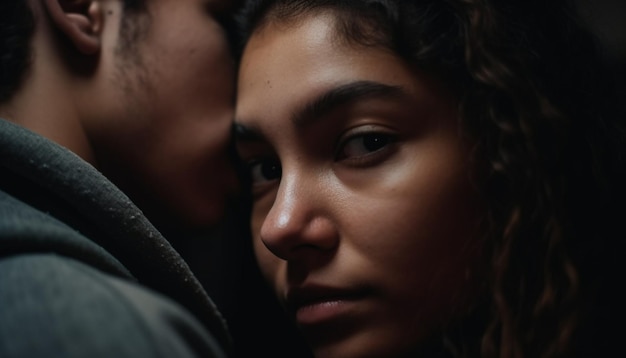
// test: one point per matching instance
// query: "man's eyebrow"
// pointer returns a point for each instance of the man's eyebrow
(343, 95)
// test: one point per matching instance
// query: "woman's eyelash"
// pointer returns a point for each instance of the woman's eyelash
(263, 170)
(361, 146)
(359, 149)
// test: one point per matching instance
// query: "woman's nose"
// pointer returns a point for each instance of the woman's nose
(299, 221)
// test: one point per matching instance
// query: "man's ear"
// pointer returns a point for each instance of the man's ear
(79, 20)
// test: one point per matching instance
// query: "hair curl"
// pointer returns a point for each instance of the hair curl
(548, 152)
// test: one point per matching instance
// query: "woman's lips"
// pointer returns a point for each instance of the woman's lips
(322, 311)
(312, 305)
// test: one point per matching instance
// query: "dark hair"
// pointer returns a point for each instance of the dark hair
(17, 25)
(16, 28)
(548, 151)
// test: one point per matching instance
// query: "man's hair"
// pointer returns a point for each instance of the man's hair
(131, 29)
(547, 151)
(16, 28)
(17, 25)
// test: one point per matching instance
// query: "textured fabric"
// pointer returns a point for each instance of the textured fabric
(75, 246)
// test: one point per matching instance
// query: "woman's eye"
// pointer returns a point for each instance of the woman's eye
(264, 170)
(362, 145)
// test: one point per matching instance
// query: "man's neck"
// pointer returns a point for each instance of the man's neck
(45, 110)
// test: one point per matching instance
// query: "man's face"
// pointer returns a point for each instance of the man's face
(163, 111)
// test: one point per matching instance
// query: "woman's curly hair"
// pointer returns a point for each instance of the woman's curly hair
(548, 154)
(551, 148)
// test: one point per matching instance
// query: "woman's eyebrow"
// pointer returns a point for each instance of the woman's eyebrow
(242, 133)
(325, 104)
(342, 95)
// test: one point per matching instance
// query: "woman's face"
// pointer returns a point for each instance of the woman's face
(365, 220)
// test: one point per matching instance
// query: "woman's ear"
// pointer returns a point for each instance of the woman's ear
(79, 20)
